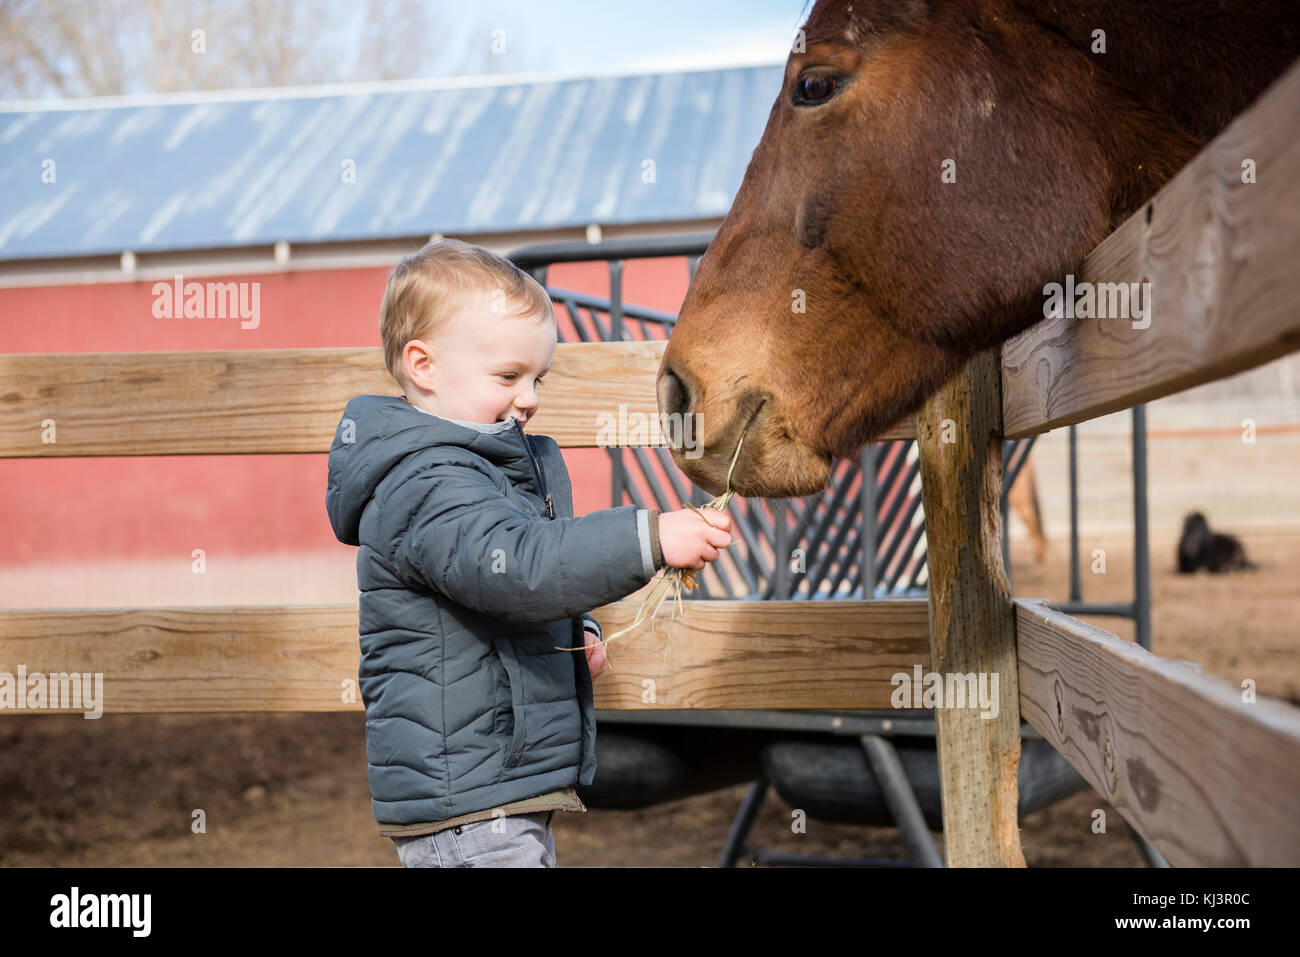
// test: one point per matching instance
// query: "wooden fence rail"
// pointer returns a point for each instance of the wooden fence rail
(1220, 255)
(716, 654)
(243, 402)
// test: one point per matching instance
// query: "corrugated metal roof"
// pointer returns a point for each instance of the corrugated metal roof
(241, 170)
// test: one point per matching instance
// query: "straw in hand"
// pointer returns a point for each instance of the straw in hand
(677, 580)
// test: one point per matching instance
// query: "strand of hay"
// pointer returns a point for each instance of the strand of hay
(675, 580)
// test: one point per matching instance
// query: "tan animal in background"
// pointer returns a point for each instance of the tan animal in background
(1023, 498)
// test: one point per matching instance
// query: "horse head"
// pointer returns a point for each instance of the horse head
(925, 169)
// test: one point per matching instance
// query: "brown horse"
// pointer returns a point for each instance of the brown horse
(926, 168)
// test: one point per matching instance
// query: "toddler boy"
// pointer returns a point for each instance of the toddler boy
(475, 574)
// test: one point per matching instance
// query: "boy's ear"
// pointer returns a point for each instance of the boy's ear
(417, 361)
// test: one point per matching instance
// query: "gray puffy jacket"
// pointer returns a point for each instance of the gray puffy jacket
(473, 571)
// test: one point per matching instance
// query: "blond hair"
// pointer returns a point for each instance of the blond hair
(425, 289)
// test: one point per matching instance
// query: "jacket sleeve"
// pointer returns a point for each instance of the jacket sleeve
(467, 541)
(590, 623)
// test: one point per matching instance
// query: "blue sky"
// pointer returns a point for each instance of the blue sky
(576, 36)
(448, 38)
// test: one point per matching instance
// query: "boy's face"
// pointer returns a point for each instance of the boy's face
(486, 367)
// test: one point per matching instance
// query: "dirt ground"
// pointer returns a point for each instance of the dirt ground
(290, 789)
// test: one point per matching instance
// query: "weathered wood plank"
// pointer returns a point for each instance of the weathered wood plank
(287, 400)
(972, 627)
(719, 654)
(1220, 255)
(1211, 781)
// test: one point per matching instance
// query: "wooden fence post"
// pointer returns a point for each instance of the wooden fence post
(972, 621)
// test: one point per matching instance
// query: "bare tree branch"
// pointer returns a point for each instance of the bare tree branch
(106, 47)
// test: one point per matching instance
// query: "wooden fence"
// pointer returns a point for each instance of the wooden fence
(1207, 778)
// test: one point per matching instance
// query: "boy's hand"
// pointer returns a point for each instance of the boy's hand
(595, 652)
(688, 541)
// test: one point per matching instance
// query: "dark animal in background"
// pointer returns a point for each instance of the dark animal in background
(1202, 548)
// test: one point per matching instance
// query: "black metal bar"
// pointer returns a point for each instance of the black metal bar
(1019, 456)
(832, 553)
(758, 515)
(616, 482)
(619, 478)
(758, 570)
(867, 564)
(903, 805)
(907, 553)
(913, 569)
(835, 555)
(1141, 545)
(898, 460)
(743, 824)
(904, 494)
(804, 511)
(630, 311)
(781, 551)
(575, 310)
(835, 513)
(923, 562)
(904, 529)
(1076, 585)
(616, 330)
(577, 251)
(754, 569)
(893, 529)
(639, 455)
(848, 565)
(908, 550)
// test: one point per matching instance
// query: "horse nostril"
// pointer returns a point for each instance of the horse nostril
(674, 394)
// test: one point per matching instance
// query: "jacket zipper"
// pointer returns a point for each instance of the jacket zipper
(541, 481)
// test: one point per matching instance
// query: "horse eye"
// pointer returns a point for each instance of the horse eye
(814, 88)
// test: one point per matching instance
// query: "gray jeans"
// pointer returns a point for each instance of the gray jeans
(512, 840)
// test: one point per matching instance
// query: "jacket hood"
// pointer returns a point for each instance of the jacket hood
(376, 432)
